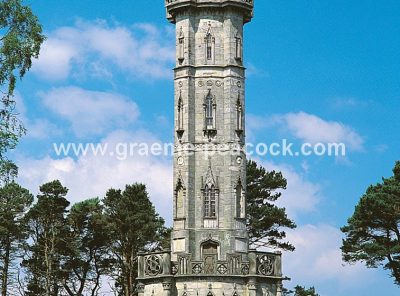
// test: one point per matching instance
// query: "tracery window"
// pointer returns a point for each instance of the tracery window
(209, 111)
(210, 202)
(209, 42)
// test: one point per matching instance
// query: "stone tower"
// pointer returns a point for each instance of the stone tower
(210, 253)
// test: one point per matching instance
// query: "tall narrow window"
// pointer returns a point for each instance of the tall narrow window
(209, 111)
(209, 46)
(181, 47)
(179, 123)
(180, 113)
(209, 202)
(239, 200)
(180, 202)
(209, 43)
(239, 115)
(239, 47)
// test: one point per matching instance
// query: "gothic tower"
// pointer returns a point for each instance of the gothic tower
(210, 253)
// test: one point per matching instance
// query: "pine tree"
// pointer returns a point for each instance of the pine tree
(134, 226)
(89, 258)
(265, 219)
(14, 203)
(49, 241)
(373, 231)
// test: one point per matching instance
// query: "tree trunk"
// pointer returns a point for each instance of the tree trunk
(127, 275)
(48, 267)
(98, 276)
(395, 271)
(4, 280)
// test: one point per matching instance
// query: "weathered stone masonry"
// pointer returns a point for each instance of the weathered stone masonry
(209, 250)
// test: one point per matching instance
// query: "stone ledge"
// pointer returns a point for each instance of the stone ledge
(206, 277)
(175, 6)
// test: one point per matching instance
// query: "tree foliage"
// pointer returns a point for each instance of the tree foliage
(69, 251)
(88, 259)
(302, 291)
(373, 231)
(14, 202)
(20, 40)
(265, 219)
(134, 226)
(48, 241)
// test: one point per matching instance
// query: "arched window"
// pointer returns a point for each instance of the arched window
(210, 109)
(209, 43)
(210, 202)
(210, 191)
(209, 104)
(209, 46)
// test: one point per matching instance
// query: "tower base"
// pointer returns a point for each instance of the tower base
(259, 276)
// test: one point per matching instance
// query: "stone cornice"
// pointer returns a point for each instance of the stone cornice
(175, 7)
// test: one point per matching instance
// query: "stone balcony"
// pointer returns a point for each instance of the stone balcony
(258, 264)
(175, 6)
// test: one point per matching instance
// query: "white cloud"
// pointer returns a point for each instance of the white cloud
(56, 56)
(142, 50)
(301, 195)
(90, 112)
(90, 176)
(308, 128)
(313, 129)
(41, 129)
(253, 124)
(317, 259)
(37, 128)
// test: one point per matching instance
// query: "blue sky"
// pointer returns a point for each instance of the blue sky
(317, 70)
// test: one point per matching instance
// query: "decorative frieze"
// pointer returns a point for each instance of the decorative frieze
(265, 265)
(153, 265)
